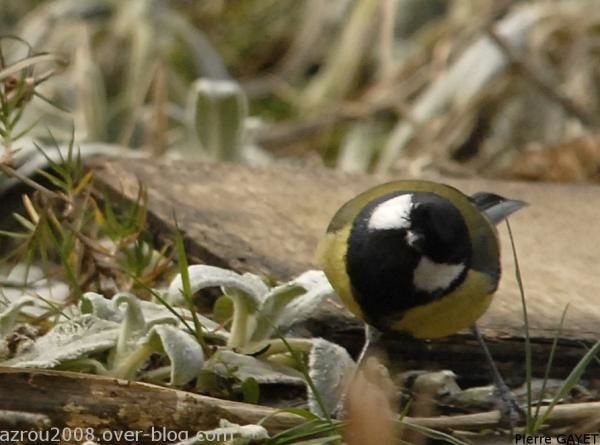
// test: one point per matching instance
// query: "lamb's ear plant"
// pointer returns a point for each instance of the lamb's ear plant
(28, 282)
(10, 314)
(246, 292)
(148, 37)
(258, 346)
(232, 433)
(258, 309)
(318, 428)
(140, 337)
(291, 302)
(68, 341)
(230, 364)
(217, 111)
(329, 367)
(186, 357)
(117, 338)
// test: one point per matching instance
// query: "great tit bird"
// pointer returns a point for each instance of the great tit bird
(417, 257)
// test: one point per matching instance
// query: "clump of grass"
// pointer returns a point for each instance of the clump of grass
(98, 247)
(18, 87)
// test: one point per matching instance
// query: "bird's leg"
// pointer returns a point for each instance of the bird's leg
(372, 336)
(510, 410)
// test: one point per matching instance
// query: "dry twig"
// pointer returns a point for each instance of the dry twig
(541, 81)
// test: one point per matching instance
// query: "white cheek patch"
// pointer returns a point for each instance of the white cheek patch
(430, 276)
(392, 214)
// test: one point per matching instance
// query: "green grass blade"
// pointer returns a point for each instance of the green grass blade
(14, 234)
(322, 440)
(54, 180)
(54, 308)
(302, 412)
(26, 130)
(28, 225)
(162, 301)
(185, 282)
(51, 102)
(528, 364)
(305, 431)
(54, 165)
(63, 246)
(571, 381)
(548, 368)
(63, 161)
(431, 433)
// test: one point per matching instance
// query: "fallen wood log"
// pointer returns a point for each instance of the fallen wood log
(79, 401)
(71, 400)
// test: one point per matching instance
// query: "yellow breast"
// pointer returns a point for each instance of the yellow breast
(331, 256)
(456, 311)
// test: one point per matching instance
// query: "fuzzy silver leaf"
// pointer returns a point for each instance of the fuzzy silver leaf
(68, 340)
(329, 366)
(245, 366)
(184, 352)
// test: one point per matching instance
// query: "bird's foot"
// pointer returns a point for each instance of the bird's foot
(511, 413)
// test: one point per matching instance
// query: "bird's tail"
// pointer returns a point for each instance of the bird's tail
(496, 207)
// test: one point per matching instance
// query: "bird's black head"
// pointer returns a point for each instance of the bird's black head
(406, 249)
(440, 229)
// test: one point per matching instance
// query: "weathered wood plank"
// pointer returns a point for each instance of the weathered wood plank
(269, 221)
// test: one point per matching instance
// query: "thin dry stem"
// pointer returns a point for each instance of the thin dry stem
(540, 80)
